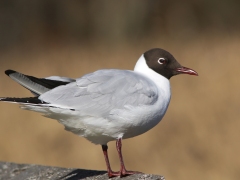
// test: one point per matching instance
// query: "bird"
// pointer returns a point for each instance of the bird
(108, 104)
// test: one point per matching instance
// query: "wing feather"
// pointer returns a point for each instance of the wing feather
(38, 85)
(102, 91)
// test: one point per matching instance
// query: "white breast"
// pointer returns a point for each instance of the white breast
(149, 116)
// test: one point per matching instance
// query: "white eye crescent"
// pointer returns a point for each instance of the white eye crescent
(162, 61)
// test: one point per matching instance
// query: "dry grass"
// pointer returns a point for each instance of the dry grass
(197, 139)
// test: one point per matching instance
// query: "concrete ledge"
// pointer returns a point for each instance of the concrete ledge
(13, 171)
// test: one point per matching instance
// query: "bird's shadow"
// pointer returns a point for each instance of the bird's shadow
(81, 174)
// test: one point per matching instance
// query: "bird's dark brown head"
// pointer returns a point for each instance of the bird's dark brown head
(165, 64)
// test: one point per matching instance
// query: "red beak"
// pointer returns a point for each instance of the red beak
(185, 70)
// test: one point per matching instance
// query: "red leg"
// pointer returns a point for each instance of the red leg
(123, 171)
(110, 172)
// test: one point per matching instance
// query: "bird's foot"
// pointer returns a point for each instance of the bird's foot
(127, 173)
(112, 174)
(122, 173)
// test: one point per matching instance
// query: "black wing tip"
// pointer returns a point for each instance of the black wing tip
(28, 100)
(9, 71)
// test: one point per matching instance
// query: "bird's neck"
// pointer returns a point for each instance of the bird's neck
(161, 82)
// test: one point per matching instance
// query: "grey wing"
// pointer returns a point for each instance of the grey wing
(102, 91)
(59, 78)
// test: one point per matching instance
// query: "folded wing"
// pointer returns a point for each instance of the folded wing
(102, 91)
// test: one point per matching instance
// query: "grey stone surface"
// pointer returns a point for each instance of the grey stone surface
(13, 171)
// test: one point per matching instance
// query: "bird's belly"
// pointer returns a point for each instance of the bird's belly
(125, 123)
(144, 121)
(134, 121)
(120, 123)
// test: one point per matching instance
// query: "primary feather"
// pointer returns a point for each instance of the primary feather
(37, 86)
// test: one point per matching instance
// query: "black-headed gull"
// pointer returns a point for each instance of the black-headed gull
(108, 104)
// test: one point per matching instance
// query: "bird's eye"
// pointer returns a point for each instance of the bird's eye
(162, 60)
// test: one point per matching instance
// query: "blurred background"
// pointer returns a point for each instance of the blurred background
(199, 136)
